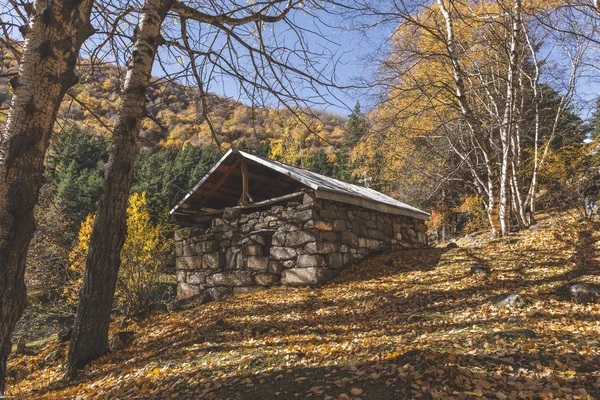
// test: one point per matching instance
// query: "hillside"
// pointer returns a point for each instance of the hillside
(177, 107)
(414, 324)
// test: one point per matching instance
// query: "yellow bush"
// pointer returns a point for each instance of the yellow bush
(145, 254)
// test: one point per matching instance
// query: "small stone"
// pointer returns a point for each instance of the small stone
(510, 300)
(65, 335)
(416, 317)
(480, 269)
(121, 340)
(515, 320)
(452, 245)
(356, 391)
(584, 293)
(21, 345)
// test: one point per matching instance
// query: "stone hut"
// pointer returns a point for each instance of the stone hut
(253, 222)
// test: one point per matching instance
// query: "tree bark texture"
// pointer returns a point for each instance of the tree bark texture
(90, 332)
(53, 38)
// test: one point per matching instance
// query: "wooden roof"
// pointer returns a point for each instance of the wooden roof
(267, 179)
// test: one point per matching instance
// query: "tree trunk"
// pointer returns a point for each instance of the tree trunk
(90, 332)
(53, 38)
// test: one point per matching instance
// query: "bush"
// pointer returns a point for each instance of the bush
(144, 258)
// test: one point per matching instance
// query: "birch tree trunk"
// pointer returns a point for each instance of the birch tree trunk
(506, 130)
(90, 332)
(53, 37)
(470, 119)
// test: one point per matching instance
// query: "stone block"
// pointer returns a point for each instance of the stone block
(234, 258)
(329, 236)
(328, 214)
(179, 250)
(230, 278)
(270, 218)
(278, 239)
(266, 279)
(188, 250)
(373, 244)
(219, 293)
(188, 263)
(283, 253)
(338, 225)
(320, 248)
(277, 210)
(323, 225)
(258, 262)
(185, 290)
(299, 238)
(306, 276)
(309, 198)
(207, 246)
(243, 289)
(180, 275)
(305, 215)
(196, 278)
(182, 234)
(275, 267)
(335, 260)
(310, 260)
(349, 238)
(375, 234)
(230, 213)
(213, 260)
(253, 250)
(258, 239)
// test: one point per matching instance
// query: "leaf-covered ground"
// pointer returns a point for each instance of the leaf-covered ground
(414, 324)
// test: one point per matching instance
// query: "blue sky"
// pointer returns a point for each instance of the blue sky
(355, 55)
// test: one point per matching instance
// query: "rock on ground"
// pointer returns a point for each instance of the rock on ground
(510, 300)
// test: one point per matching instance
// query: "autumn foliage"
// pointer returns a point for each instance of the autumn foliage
(414, 324)
(144, 258)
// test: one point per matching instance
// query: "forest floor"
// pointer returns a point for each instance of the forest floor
(413, 324)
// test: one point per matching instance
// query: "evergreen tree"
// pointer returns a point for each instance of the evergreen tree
(75, 166)
(356, 128)
(318, 162)
(167, 174)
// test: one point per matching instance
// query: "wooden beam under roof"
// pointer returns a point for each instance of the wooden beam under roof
(221, 181)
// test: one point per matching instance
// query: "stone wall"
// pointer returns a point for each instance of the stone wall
(304, 241)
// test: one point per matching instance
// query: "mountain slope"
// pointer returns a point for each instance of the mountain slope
(175, 112)
(404, 325)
